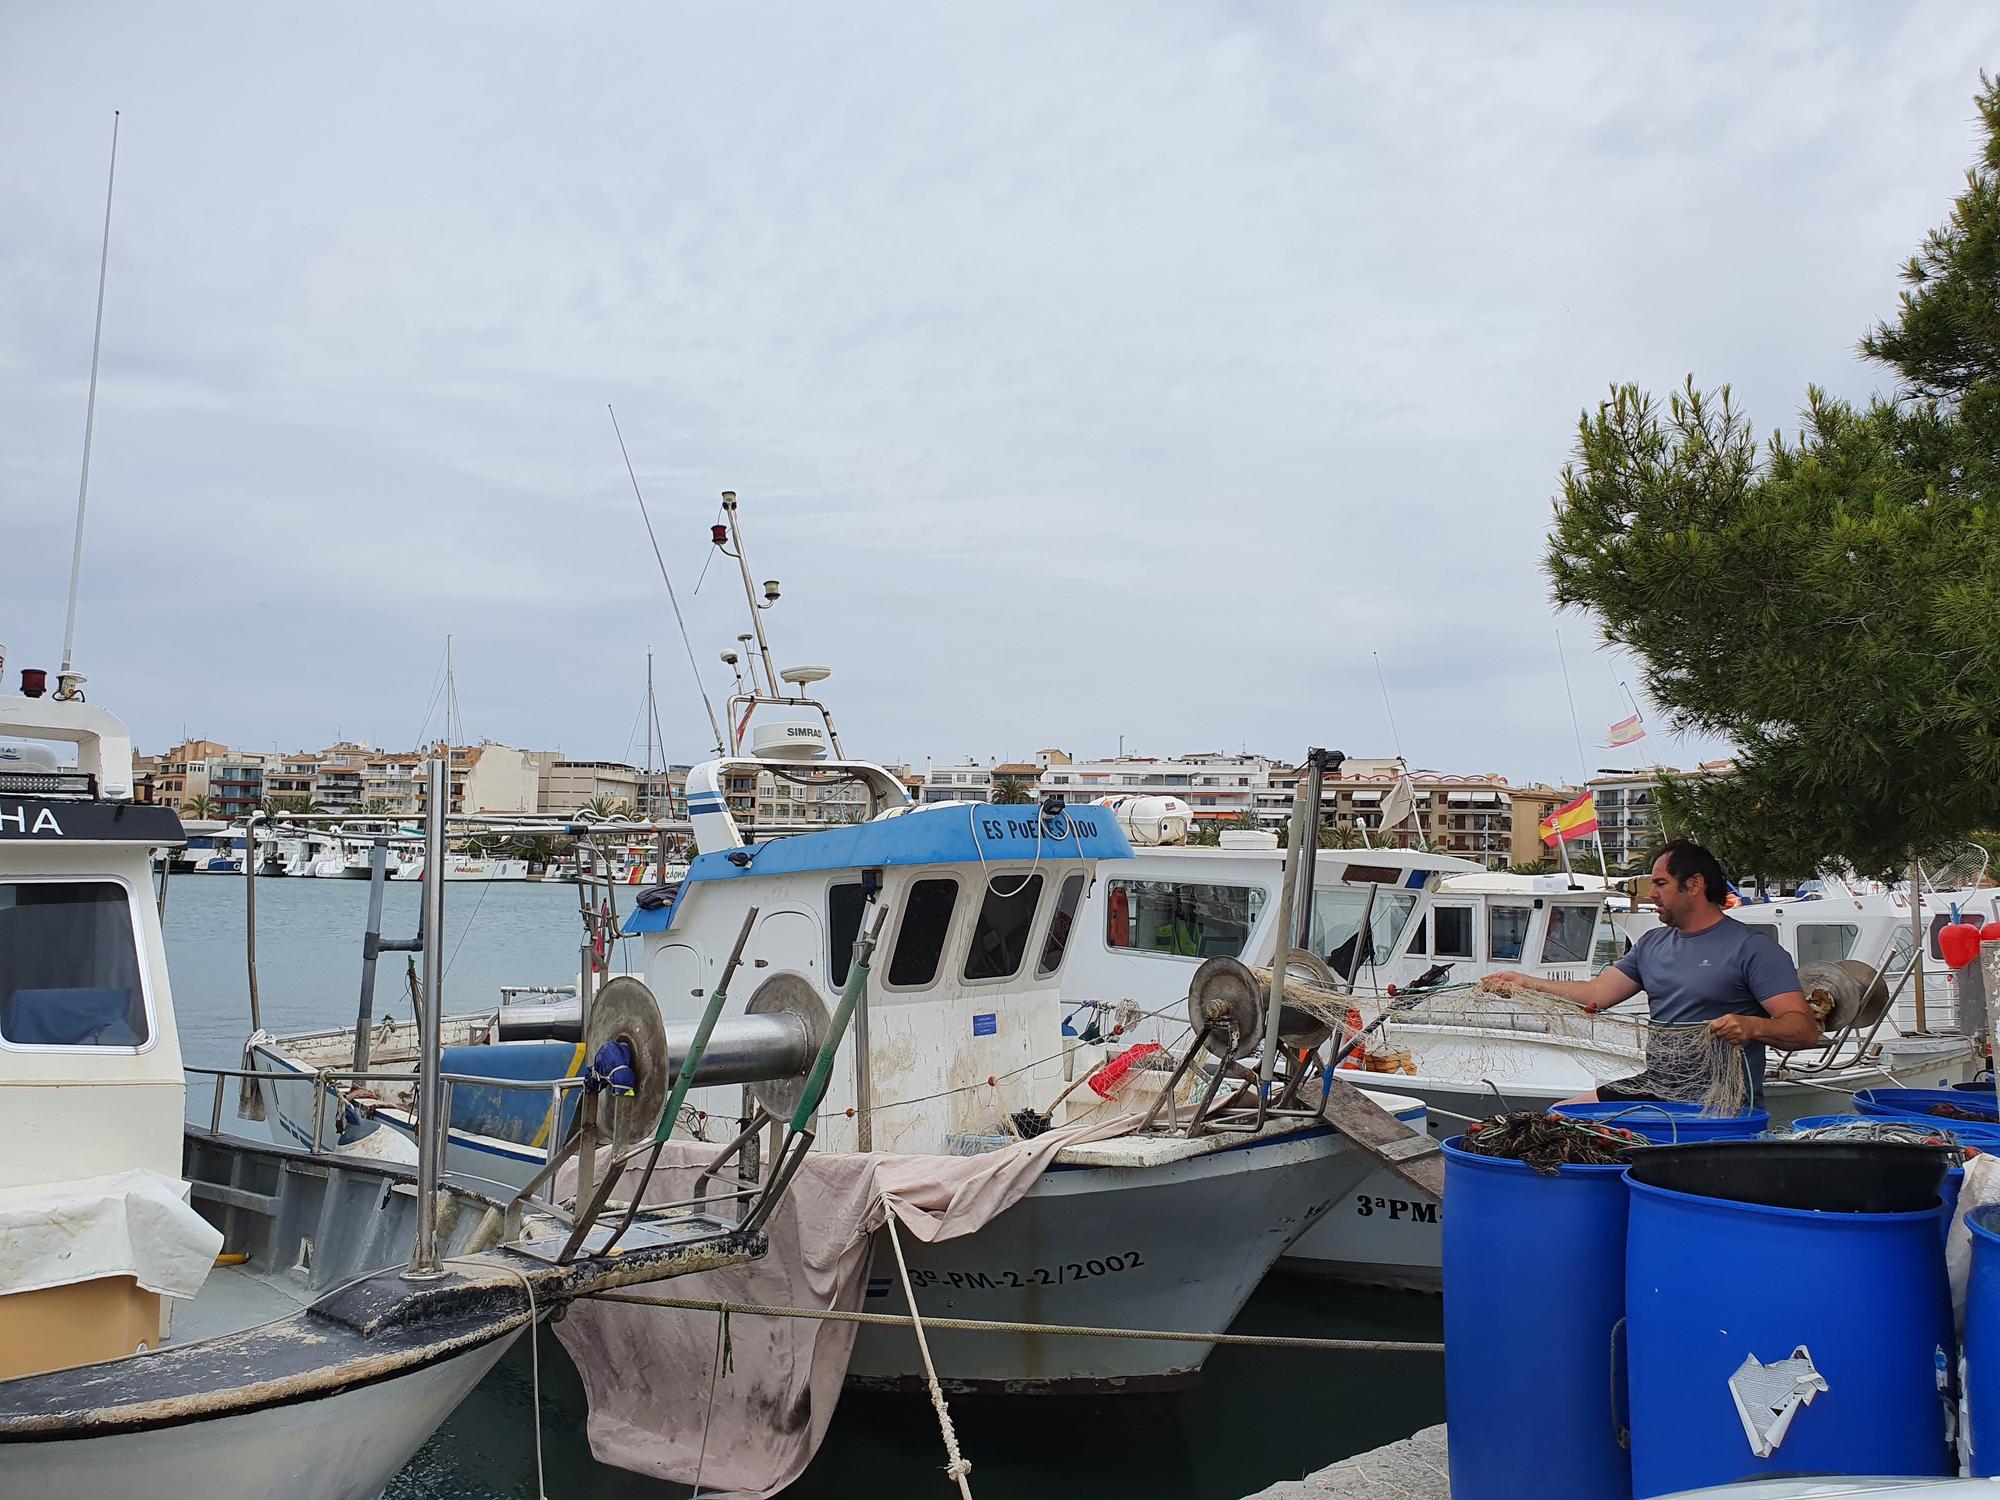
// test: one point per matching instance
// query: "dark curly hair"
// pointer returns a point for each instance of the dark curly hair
(1685, 857)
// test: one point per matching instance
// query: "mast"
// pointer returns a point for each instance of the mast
(750, 593)
(66, 681)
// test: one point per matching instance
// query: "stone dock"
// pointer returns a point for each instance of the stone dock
(1413, 1469)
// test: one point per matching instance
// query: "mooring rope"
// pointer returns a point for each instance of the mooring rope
(958, 1467)
(995, 1325)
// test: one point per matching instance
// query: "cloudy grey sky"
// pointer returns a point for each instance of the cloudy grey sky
(1085, 371)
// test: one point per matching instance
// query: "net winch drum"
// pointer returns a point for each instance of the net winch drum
(1741, 1371)
(1848, 991)
(624, 1010)
(1229, 992)
(789, 994)
(1668, 1122)
(1532, 1302)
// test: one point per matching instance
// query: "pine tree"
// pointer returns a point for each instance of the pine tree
(1831, 603)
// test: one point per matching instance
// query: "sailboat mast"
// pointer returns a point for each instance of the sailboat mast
(66, 682)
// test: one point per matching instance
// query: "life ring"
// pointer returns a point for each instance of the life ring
(1119, 932)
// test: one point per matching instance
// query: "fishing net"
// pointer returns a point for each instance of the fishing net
(1546, 1142)
(1463, 1032)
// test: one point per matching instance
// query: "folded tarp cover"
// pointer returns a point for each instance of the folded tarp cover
(135, 1224)
(647, 1372)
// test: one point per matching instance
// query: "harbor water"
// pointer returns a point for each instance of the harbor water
(1260, 1415)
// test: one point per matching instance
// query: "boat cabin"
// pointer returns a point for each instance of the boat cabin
(981, 904)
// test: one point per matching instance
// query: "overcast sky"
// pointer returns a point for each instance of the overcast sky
(1085, 371)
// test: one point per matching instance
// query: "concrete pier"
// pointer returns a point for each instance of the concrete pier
(1413, 1469)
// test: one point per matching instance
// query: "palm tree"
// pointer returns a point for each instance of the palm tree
(375, 807)
(607, 807)
(202, 806)
(1010, 790)
(1341, 836)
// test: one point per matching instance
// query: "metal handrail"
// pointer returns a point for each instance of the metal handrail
(322, 1077)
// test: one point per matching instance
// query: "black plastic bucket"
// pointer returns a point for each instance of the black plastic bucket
(1847, 1177)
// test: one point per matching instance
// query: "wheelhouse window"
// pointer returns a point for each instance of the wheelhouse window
(1507, 931)
(1056, 944)
(926, 925)
(1571, 929)
(1336, 925)
(1826, 942)
(1000, 936)
(1180, 918)
(69, 966)
(844, 906)
(1451, 935)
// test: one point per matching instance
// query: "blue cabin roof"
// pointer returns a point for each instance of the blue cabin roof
(957, 835)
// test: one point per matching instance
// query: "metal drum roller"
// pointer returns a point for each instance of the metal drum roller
(793, 997)
(1851, 992)
(1226, 999)
(624, 1010)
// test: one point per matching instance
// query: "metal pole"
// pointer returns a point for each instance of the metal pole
(371, 948)
(64, 688)
(1281, 960)
(424, 1262)
(750, 592)
(250, 924)
(1917, 934)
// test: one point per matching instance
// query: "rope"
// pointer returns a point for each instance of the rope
(992, 1325)
(959, 1466)
(534, 1355)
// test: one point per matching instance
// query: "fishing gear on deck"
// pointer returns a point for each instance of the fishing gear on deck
(1546, 1142)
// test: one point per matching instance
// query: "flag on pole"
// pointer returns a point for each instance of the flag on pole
(1624, 732)
(1575, 820)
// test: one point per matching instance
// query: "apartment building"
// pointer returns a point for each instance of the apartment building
(184, 771)
(1627, 819)
(1219, 788)
(235, 785)
(567, 787)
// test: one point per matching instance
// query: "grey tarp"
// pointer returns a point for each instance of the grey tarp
(648, 1371)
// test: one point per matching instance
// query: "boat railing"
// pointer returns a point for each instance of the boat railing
(324, 1083)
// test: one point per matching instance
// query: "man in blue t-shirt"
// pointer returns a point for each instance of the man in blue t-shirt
(1699, 964)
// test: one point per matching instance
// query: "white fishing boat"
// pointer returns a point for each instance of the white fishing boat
(183, 1312)
(1435, 925)
(958, 1039)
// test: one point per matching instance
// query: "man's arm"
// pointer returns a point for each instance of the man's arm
(1787, 1023)
(1600, 993)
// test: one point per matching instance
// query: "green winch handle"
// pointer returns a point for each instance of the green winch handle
(684, 1080)
(850, 996)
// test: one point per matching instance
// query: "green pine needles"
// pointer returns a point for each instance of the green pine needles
(1830, 604)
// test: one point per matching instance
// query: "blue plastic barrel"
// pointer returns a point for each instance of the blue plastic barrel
(1978, 1137)
(1669, 1122)
(1822, 1331)
(1532, 1297)
(1982, 1341)
(1920, 1102)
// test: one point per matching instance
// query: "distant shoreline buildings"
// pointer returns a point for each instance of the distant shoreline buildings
(1478, 816)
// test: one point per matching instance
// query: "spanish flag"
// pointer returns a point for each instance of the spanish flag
(1577, 820)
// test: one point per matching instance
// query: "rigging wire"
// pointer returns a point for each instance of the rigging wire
(679, 619)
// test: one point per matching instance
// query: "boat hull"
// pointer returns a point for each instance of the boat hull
(345, 1446)
(1175, 1246)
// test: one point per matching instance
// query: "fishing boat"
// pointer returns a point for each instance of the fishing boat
(958, 1039)
(185, 1312)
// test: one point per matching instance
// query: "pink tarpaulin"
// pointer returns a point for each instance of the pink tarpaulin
(649, 1372)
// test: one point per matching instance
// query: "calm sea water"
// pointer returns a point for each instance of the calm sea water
(1259, 1416)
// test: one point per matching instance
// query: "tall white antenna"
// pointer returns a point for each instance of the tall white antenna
(67, 682)
(1394, 738)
